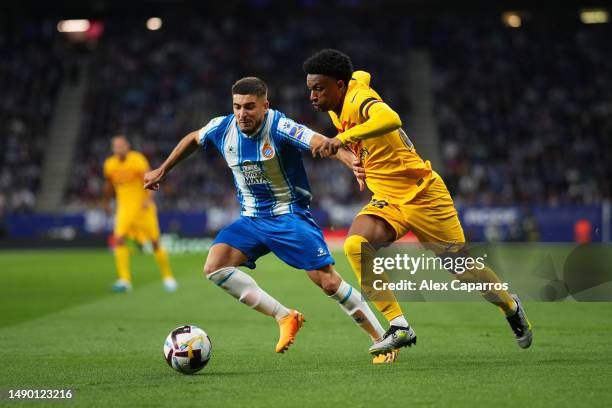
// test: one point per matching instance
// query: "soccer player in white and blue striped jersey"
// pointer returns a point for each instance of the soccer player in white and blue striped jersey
(264, 148)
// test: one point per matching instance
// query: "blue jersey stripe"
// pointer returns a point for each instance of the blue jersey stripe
(260, 146)
(277, 117)
(240, 146)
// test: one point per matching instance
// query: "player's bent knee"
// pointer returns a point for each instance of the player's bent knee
(212, 267)
(352, 245)
(239, 284)
(215, 263)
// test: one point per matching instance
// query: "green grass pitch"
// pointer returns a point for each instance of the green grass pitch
(61, 327)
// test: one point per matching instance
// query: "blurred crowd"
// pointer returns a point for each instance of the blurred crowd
(524, 116)
(31, 70)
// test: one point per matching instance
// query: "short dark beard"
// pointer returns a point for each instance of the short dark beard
(255, 129)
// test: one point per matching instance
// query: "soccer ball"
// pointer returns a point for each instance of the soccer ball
(187, 349)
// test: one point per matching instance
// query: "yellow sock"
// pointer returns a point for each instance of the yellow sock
(122, 262)
(161, 257)
(352, 248)
(500, 298)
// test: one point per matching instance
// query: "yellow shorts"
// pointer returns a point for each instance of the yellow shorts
(140, 224)
(431, 216)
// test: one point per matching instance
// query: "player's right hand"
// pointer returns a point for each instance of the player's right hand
(326, 147)
(152, 179)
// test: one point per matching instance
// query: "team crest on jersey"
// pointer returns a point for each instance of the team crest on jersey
(267, 151)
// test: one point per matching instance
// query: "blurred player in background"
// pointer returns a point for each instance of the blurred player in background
(263, 148)
(136, 213)
(407, 194)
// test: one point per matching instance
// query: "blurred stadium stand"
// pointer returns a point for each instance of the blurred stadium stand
(525, 115)
(31, 72)
(517, 120)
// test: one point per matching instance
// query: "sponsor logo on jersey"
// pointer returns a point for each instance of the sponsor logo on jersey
(267, 151)
(253, 174)
(297, 132)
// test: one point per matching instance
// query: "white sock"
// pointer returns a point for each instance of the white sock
(350, 301)
(244, 288)
(399, 321)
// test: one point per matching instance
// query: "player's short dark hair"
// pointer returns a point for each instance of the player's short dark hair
(250, 86)
(333, 63)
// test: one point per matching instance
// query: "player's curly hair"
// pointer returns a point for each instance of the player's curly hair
(330, 62)
(250, 86)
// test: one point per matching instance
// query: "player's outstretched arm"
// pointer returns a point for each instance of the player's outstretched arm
(183, 149)
(380, 119)
(321, 146)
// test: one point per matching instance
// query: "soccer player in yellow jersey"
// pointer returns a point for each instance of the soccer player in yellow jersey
(407, 194)
(136, 214)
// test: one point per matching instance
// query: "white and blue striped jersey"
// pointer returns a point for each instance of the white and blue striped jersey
(267, 167)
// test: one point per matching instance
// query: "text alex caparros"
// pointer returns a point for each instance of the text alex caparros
(410, 264)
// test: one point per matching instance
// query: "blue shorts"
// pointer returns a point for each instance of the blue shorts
(295, 238)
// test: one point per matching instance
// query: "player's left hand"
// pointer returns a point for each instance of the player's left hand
(359, 172)
(152, 179)
(327, 147)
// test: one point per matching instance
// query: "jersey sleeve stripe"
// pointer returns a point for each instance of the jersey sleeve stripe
(365, 103)
(366, 113)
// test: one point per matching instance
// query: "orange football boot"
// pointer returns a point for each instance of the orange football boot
(289, 326)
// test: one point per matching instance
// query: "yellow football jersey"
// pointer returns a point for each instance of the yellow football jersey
(127, 178)
(394, 170)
